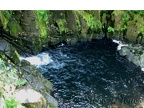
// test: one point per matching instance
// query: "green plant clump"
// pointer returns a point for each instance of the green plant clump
(9, 81)
(42, 21)
(125, 19)
(11, 103)
(140, 12)
(93, 23)
(5, 17)
(110, 29)
(62, 25)
(124, 28)
(8, 76)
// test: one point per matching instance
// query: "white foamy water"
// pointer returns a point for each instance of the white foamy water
(40, 59)
(57, 65)
(120, 44)
(142, 69)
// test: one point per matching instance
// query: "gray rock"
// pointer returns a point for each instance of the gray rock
(142, 60)
(134, 53)
(30, 98)
(8, 50)
(38, 82)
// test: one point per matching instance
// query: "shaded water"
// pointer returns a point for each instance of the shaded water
(93, 75)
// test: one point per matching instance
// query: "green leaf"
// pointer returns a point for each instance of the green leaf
(11, 103)
(21, 82)
(110, 29)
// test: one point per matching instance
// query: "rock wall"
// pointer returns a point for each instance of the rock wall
(23, 81)
(33, 31)
(38, 30)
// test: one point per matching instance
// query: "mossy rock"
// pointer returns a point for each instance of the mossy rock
(131, 33)
(9, 51)
(5, 17)
(71, 39)
(72, 24)
(91, 18)
(38, 82)
(117, 16)
(140, 28)
(28, 27)
(14, 27)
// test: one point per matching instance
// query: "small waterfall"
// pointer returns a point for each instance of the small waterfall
(40, 59)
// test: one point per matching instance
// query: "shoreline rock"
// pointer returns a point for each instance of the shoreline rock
(17, 70)
(134, 53)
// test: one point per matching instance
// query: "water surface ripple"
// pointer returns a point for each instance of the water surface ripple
(93, 75)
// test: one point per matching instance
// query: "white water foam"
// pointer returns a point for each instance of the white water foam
(40, 59)
(57, 65)
(120, 44)
(142, 69)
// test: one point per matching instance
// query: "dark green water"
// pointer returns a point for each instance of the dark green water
(93, 75)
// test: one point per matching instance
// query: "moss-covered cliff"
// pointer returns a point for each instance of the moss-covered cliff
(31, 31)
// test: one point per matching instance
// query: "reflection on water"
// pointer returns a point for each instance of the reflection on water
(93, 75)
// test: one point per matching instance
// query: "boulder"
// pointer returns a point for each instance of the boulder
(30, 98)
(38, 82)
(134, 53)
(9, 51)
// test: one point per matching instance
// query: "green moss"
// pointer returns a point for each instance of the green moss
(37, 42)
(8, 24)
(140, 12)
(5, 17)
(62, 25)
(110, 29)
(77, 19)
(121, 19)
(42, 22)
(126, 17)
(140, 25)
(93, 23)
(14, 27)
(117, 12)
(137, 17)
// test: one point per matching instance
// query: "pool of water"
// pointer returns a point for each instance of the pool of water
(93, 75)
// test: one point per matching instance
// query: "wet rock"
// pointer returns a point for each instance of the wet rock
(71, 18)
(71, 39)
(131, 33)
(8, 50)
(54, 41)
(32, 75)
(30, 98)
(38, 82)
(134, 53)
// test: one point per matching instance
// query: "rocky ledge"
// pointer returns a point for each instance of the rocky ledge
(21, 84)
(134, 53)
